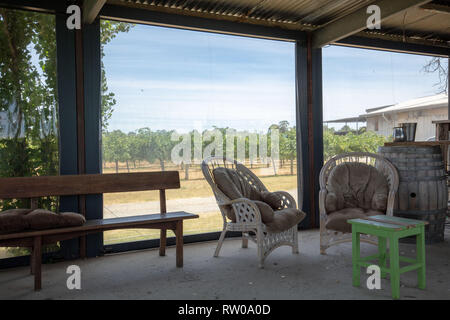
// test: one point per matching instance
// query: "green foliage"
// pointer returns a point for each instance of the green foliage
(28, 95)
(116, 147)
(367, 141)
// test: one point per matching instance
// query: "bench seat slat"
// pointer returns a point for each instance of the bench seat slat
(43, 186)
(101, 224)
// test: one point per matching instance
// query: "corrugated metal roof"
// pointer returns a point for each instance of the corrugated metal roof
(430, 23)
(429, 102)
(303, 13)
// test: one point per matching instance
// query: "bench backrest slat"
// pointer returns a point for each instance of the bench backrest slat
(40, 186)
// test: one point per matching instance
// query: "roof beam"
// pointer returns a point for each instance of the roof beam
(357, 21)
(164, 19)
(435, 7)
(374, 43)
(91, 9)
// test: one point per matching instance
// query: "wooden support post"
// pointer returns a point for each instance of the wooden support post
(37, 262)
(310, 128)
(179, 243)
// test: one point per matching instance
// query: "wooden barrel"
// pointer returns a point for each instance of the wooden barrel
(422, 193)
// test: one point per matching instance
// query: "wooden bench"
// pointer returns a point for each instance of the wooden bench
(82, 185)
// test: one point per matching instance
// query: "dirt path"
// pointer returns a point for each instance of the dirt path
(194, 205)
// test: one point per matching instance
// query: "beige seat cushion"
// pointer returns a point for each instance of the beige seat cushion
(13, 220)
(274, 200)
(235, 187)
(337, 220)
(269, 203)
(285, 219)
(356, 185)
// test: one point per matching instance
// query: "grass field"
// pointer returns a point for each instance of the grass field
(208, 222)
(194, 188)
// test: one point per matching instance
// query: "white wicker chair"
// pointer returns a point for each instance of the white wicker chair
(328, 237)
(248, 217)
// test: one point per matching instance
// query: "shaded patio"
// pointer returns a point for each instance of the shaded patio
(232, 276)
(132, 274)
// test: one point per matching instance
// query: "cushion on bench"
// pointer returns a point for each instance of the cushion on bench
(41, 219)
(12, 220)
(16, 220)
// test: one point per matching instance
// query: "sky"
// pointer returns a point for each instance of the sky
(166, 78)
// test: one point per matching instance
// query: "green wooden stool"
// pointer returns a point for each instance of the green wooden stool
(392, 228)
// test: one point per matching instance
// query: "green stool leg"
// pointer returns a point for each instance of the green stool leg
(420, 247)
(382, 253)
(394, 266)
(356, 257)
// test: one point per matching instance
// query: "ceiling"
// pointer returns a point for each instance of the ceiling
(427, 23)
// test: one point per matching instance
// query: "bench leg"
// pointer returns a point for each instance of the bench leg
(420, 247)
(31, 261)
(82, 244)
(37, 261)
(356, 258)
(179, 243)
(394, 266)
(163, 242)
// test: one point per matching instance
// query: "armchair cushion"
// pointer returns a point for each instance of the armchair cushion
(269, 203)
(337, 220)
(233, 186)
(273, 199)
(267, 213)
(356, 185)
(285, 219)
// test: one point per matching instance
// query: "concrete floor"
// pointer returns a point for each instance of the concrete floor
(234, 275)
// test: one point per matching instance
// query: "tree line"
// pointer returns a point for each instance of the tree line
(155, 146)
(361, 141)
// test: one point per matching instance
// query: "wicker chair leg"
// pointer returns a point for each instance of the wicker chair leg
(260, 242)
(244, 241)
(219, 245)
(323, 246)
(295, 239)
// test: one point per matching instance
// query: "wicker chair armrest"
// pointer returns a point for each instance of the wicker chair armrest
(390, 203)
(322, 209)
(246, 211)
(288, 200)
